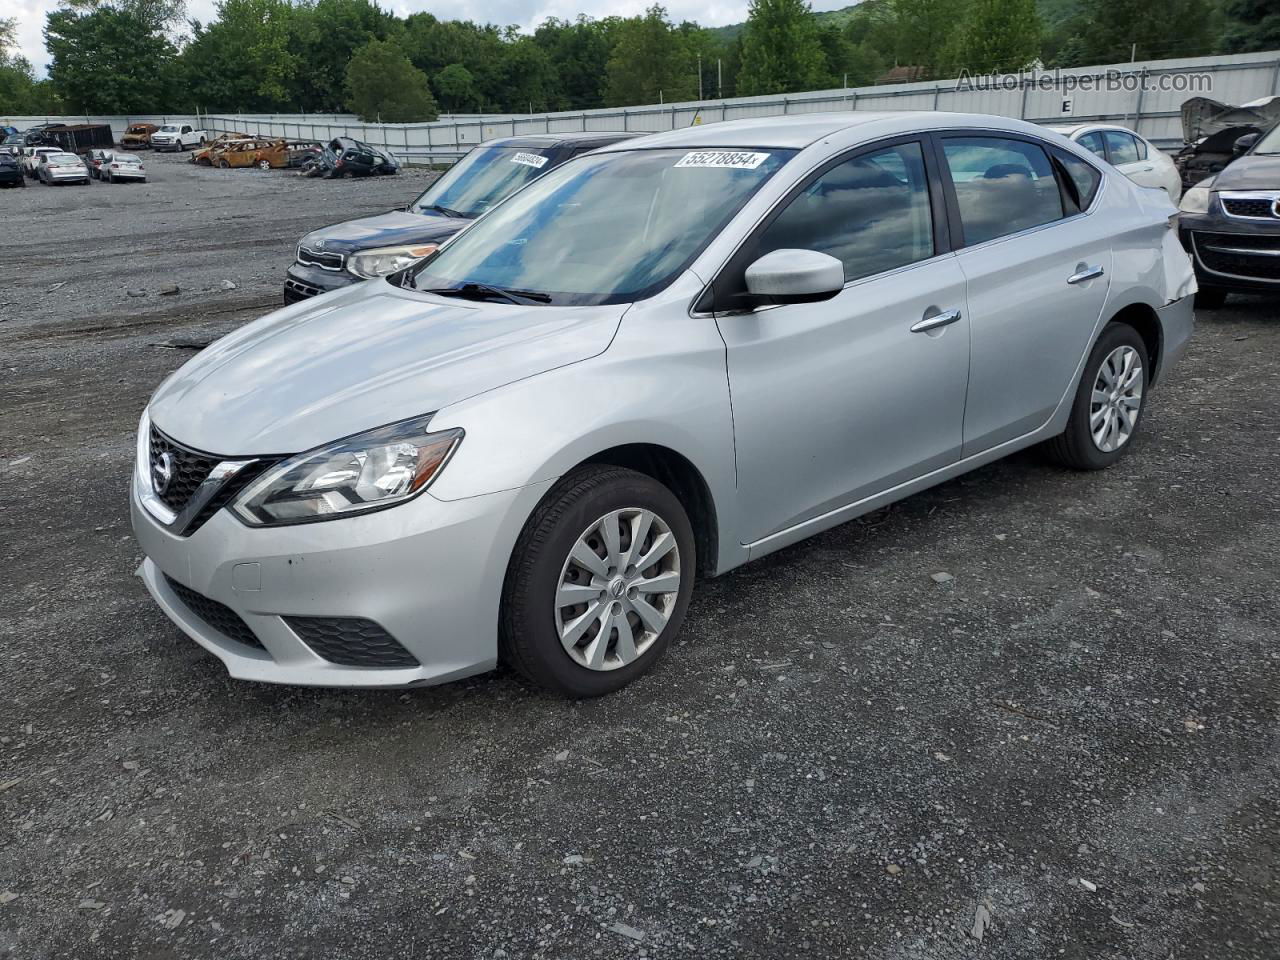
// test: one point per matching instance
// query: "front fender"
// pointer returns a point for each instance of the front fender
(661, 382)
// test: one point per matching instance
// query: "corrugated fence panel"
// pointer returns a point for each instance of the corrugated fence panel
(1152, 110)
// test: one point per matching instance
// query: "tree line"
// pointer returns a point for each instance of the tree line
(120, 56)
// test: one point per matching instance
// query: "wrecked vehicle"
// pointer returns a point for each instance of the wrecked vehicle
(250, 153)
(344, 156)
(346, 253)
(137, 136)
(1210, 130)
(205, 155)
(1230, 222)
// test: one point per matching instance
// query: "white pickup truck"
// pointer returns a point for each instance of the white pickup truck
(177, 136)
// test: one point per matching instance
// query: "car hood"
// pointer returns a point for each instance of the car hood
(362, 357)
(1250, 173)
(385, 230)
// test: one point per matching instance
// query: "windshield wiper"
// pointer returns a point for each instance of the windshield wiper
(447, 211)
(482, 291)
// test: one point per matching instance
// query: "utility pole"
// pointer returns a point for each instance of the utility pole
(699, 76)
(1133, 53)
(719, 80)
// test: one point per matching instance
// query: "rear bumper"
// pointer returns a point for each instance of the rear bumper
(1177, 321)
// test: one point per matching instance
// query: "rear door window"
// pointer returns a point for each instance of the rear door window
(1002, 186)
(1085, 178)
(1122, 147)
(1093, 143)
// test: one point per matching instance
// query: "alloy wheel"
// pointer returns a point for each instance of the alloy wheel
(1116, 399)
(617, 588)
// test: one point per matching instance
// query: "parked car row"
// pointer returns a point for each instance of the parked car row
(237, 150)
(585, 373)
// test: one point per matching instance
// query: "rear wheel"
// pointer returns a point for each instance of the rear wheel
(1210, 298)
(598, 583)
(1109, 402)
(264, 164)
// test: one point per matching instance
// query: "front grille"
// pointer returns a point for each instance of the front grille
(295, 290)
(1258, 207)
(190, 468)
(219, 616)
(351, 642)
(1252, 257)
(320, 258)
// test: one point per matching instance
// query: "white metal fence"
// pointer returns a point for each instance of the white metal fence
(1145, 96)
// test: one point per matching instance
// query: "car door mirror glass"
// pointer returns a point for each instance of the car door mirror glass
(795, 276)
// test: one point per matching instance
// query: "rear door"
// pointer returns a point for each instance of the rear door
(1037, 269)
(1128, 154)
(838, 400)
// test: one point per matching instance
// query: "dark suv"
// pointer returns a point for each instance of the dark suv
(346, 253)
(1230, 222)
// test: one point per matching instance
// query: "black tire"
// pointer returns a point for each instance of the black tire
(1075, 447)
(1210, 298)
(528, 638)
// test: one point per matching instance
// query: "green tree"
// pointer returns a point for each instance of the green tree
(383, 86)
(1251, 25)
(650, 62)
(324, 39)
(112, 57)
(1114, 31)
(924, 32)
(580, 53)
(20, 92)
(243, 61)
(781, 49)
(457, 88)
(997, 36)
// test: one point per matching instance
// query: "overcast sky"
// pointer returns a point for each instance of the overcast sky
(526, 13)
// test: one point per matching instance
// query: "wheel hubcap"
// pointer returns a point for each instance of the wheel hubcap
(1116, 400)
(617, 589)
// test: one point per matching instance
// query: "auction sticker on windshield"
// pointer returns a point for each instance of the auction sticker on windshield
(530, 160)
(732, 159)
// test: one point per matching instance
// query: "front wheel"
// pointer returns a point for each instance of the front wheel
(1109, 402)
(264, 164)
(598, 583)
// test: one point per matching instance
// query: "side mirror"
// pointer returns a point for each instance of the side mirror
(795, 276)
(1243, 144)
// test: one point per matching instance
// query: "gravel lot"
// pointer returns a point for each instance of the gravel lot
(1070, 749)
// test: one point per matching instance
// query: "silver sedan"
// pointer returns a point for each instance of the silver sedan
(656, 363)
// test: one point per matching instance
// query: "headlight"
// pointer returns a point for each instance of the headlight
(369, 264)
(366, 472)
(1196, 200)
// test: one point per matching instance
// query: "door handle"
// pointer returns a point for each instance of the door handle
(1087, 273)
(933, 321)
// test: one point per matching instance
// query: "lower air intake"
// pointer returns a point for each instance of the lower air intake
(351, 642)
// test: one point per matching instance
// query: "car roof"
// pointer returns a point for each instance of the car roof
(800, 130)
(1070, 130)
(542, 141)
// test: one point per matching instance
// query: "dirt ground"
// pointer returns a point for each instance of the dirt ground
(1071, 749)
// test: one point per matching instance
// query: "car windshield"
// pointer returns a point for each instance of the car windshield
(169, 128)
(480, 179)
(128, 161)
(1269, 142)
(63, 159)
(605, 228)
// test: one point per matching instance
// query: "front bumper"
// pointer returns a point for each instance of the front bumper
(163, 146)
(428, 572)
(303, 282)
(1233, 253)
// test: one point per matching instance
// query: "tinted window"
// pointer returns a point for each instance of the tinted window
(1122, 147)
(1002, 186)
(1084, 177)
(870, 212)
(1093, 143)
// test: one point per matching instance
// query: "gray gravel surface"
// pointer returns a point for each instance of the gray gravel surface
(1068, 747)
